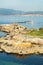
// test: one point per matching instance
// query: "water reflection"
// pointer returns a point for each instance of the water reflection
(20, 56)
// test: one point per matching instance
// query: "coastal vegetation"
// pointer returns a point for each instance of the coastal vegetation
(34, 32)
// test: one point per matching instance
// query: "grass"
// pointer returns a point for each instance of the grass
(34, 32)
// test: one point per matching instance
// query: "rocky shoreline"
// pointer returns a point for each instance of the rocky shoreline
(15, 40)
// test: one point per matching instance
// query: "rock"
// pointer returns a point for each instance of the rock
(16, 42)
(36, 40)
(1, 50)
(41, 28)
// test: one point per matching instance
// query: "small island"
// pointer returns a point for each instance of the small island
(20, 40)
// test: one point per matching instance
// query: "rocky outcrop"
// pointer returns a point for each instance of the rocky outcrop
(16, 42)
(21, 47)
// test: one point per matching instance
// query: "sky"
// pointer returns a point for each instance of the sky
(24, 5)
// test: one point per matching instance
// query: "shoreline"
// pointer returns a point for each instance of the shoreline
(24, 15)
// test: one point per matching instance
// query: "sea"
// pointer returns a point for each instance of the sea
(28, 22)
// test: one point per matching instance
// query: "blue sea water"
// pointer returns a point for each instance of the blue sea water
(2, 34)
(6, 59)
(37, 21)
(10, 59)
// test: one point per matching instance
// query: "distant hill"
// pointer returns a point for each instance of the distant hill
(4, 11)
(10, 11)
(34, 12)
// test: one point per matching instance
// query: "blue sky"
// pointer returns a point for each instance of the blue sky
(25, 5)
